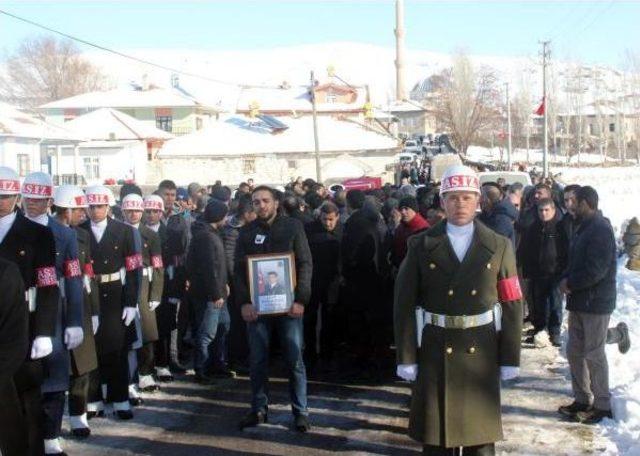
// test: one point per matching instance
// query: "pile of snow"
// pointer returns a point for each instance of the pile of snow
(624, 370)
(533, 157)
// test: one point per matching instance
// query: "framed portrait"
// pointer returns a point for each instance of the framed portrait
(272, 281)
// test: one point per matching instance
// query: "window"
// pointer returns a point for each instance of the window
(248, 165)
(91, 167)
(163, 123)
(24, 164)
(332, 97)
(612, 127)
(292, 164)
(198, 123)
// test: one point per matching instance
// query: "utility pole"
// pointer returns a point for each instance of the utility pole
(545, 56)
(315, 127)
(509, 143)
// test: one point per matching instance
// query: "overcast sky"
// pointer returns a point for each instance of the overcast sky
(599, 31)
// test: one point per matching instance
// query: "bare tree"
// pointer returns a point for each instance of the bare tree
(467, 101)
(44, 69)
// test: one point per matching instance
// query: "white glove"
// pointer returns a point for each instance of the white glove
(407, 372)
(95, 323)
(153, 305)
(128, 315)
(509, 372)
(73, 337)
(42, 346)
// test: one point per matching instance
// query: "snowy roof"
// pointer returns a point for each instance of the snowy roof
(109, 124)
(126, 98)
(16, 123)
(296, 99)
(240, 135)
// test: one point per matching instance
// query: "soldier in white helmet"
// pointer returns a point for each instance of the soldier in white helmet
(69, 206)
(37, 194)
(116, 264)
(458, 324)
(151, 289)
(32, 248)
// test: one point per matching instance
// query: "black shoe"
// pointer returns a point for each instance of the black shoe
(177, 368)
(136, 401)
(555, 340)
(625, 343)
(204, 379)
(252, 419)
(593, 416)
(573, 408)
(224, 372)
(99, 414)
(301, 423)
(124, 414)
(81, 433)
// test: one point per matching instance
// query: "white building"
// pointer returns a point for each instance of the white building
(239, 148)
(29, 144)
(116, 147)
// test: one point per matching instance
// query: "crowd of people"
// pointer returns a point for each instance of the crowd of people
(125, 295)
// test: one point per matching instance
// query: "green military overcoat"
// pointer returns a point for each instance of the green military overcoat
(456, 396)
(151, 290)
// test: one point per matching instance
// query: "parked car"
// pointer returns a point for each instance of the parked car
(510, 177)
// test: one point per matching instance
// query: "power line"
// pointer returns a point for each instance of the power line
(127, 56)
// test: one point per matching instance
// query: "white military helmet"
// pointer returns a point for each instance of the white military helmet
(69, 197)
(98, 195)
(154, 203)
(132, 202)
(9, 181)
(37, 185)
(459, 178)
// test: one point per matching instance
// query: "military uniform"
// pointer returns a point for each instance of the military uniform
(116, 264)
(14, 343)
(456, 396)
(151, 291)
(83, 358)
(32, 248)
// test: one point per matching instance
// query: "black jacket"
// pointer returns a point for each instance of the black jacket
(206, 264)
(325, 251)
(591, 274)
(14, 322)
(282, 236)
(361, 246)
(543, 250)
(502, 218)
(230, 233)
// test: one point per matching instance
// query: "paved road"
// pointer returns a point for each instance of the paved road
(192, 420)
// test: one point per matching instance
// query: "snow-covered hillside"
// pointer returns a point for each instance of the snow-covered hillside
(356, 63)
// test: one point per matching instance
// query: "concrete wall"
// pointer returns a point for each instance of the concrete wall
(10, 148)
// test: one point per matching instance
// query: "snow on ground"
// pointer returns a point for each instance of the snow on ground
(534, 157)
(619, 191)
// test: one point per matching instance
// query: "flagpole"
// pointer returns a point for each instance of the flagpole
(545, 150)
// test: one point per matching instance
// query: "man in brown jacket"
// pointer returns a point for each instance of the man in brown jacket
(458, 325)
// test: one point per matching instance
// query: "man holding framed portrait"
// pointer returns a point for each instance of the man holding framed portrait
(272, 280)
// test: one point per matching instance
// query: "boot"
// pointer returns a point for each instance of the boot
(619, 335)
(572, 409)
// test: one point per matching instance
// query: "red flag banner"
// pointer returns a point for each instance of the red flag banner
(540, 110)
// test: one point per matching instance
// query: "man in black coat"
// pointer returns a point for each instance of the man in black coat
(207, 276)
(14, 343)
(360, 268)
(590, 286)
(325, 236)
(116, 266)
(32, 248)
(544, 258)
(498, 212)
(274, 233)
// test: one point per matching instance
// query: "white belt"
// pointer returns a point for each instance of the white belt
(108, 278)
(424, 318)
(30, 298)
(148, 272)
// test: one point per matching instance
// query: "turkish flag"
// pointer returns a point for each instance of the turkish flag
(540, 110)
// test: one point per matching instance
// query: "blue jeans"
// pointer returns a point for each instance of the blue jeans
(212, 320)
(291, 339)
